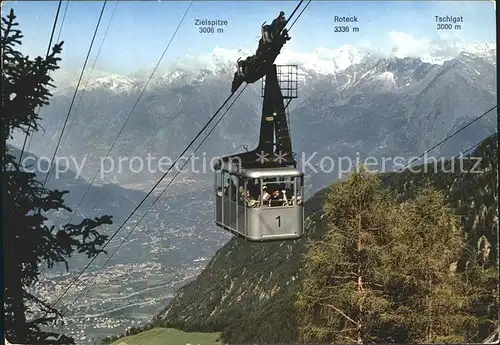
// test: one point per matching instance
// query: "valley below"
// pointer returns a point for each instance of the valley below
(170, 247)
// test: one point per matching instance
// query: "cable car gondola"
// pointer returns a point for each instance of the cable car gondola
(259, 194)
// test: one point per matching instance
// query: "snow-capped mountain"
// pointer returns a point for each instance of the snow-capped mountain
(222, 62)
(350, 101)
(486, 51)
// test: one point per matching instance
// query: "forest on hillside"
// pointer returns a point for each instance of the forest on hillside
(388, 272)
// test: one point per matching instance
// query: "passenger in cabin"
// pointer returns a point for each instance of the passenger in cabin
(286, 199)
(296, 199)
(243, 184)
(287, 194)
(275, 199)
(242, 195)
(219, 191)
(265, 195)
(254, 190)
(251, 202)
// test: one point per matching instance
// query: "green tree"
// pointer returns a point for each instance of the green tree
(430, 299)
(28, 240)
(384, 272)
(341, 299)
(482, 274)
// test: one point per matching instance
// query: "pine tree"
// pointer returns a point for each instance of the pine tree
(431, 301)
(482, 274)
(28, 240)
(341, 299)
(384, 272)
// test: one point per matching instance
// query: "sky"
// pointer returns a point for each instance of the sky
(140, 30)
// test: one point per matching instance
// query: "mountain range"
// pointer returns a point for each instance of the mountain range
(381, 107)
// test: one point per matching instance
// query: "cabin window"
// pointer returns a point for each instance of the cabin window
(283, 191)
(230, 187)
(251, 192)
(278, 191)
(219, 183)
(224, 176)
(299, 190)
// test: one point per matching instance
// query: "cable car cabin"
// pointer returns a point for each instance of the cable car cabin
(263, 204)
(259, 193)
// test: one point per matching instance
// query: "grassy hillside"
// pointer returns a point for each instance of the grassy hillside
(162, 336)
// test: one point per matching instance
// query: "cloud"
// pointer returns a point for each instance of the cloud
(324, 60)
(404, 44)
(436, 50)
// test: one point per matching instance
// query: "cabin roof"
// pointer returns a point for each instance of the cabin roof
(267, 172)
